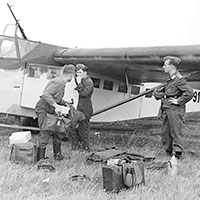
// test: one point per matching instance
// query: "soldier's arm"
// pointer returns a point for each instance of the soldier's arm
(187, 92)
(63, 102)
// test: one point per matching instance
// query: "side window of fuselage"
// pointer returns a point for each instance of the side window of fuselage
(135, 89)
(149, 95)
(33, 72)
(108, 85)
(36, 71)
(53, 73)
(96, 82)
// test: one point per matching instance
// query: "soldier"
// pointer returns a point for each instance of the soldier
(173, 97)
(85, 87)
(49, 102)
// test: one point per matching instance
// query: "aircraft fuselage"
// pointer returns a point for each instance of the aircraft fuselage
(26, 67)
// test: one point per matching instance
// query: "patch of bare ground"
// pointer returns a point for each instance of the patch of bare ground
(139, 133)
(144, 132)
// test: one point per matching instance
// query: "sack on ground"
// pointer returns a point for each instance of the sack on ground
(24, 153)
(56, 124)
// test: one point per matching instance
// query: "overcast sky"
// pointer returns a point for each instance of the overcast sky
(106, 23)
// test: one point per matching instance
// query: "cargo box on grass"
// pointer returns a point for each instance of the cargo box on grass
(20, 137)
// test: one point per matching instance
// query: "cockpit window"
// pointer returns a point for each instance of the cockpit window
(8, 47)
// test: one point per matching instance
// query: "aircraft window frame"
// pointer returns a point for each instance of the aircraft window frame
(108, 85)
(149, 95)
(135, 89)
(53, 72)
(96, 82)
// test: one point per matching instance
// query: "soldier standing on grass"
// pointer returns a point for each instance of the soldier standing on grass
(49, 102)
(85, 87)
(173, 97)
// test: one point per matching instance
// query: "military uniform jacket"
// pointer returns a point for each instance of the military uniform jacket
(176, 87)
(85, 90)
(53, 92)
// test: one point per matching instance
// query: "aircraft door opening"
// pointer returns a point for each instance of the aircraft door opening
(35, 79)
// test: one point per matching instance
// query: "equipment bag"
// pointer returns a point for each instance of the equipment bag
(24, 153)
(133, 174)
(75, 116)
(56, 124)
(103, 155)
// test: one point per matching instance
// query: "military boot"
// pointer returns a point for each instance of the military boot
(41, 153)
(57, 152)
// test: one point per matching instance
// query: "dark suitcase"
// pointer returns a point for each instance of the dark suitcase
(112, 178)
(127, 175)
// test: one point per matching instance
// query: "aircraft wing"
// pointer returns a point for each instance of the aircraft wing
(141, 64)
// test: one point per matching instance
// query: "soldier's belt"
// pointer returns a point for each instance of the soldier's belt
(167, 97)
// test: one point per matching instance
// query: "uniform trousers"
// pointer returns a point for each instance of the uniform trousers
(42, 108)
(79, 137)
(44, 136)
(171, 131)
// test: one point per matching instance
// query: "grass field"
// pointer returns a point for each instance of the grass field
(20, 181)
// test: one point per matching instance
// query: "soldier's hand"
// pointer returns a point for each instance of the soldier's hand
(160, 89)
(58, 109)
(69, 103)
(78, 79)
(173, 101)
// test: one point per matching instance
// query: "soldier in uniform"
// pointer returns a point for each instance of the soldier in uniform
(85, 87)
(173, 97)
(49, 102)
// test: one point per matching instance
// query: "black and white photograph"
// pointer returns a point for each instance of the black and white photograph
(100, 100)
